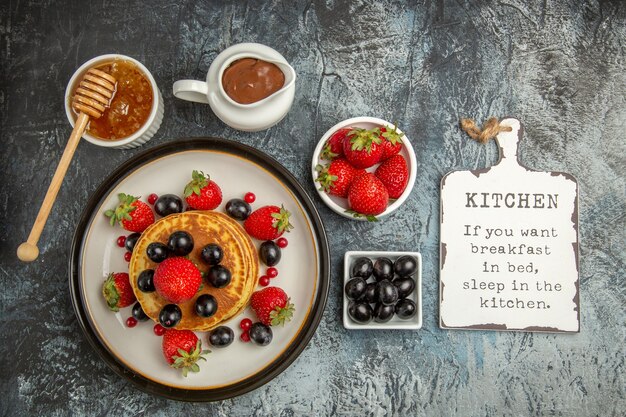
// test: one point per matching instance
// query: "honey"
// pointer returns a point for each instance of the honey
(131, 104)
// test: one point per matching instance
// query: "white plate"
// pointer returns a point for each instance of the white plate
(338, 204)
(414, 322)
(303, 270)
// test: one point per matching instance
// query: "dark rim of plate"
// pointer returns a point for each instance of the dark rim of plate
(301, 340)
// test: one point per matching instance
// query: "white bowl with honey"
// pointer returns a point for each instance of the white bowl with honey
(134, 113)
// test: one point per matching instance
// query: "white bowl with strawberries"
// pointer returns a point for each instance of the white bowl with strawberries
(364, 168)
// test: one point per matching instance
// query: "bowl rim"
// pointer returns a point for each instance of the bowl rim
(414, 323)
(412, 165)
(139, 133)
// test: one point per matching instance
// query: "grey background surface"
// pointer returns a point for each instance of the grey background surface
(557, 65)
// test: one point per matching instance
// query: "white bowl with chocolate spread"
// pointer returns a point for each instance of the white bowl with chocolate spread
(249, 86)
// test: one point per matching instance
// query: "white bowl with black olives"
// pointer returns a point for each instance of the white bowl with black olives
(382, 290)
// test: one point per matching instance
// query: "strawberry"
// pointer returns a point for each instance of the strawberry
(177, 279)
(201, 193)
(367, 197)
(392, 141)
(182, 350)
(362, 148)
(334, 145)
(271, 306)
(336, 177)
(131, 213)
(268, 222)
(117, 291)
(394, 173)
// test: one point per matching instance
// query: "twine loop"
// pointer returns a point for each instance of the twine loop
(490, 129)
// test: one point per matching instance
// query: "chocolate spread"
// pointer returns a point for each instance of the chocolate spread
(249, 80)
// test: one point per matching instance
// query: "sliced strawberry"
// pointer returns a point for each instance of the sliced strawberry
(201, 193)
(272, 306)
(367, 197)
(268, 222)
(131, 213)
(117, 291)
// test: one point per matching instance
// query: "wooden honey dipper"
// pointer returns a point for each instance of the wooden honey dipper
(91, 98)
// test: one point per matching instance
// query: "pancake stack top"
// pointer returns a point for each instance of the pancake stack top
(240, 257)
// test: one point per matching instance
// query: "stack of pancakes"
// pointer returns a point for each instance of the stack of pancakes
(240, 257)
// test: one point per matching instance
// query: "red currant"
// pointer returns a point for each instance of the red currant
(127, 256)
(249, 198)
(272, 272)
(264, 281)
(152, 198)
(282, 242)
(131, 322)
(245, 324)
(121, 241)
(245, 337)
(159, 330)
